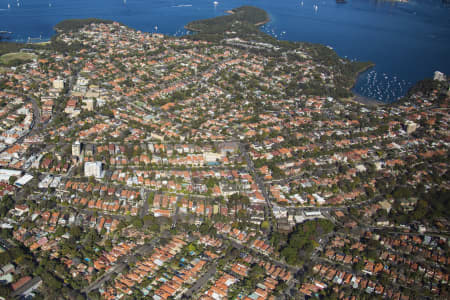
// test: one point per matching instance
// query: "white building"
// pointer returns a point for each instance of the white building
(320, 200)
(211, 157)
(76, 149)
(93, 169)
(411, 126)
(23, 180)
(5, 174)
(439, 76)
(88, 104)
(58, 84)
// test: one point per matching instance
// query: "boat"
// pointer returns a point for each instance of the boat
(31, 40)
(5, 35)
(341, 1)
(216, 3)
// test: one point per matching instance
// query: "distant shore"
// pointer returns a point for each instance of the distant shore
(267, 20)
(194, 26)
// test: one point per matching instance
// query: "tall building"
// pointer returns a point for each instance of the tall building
(439, 76)
(93, 169)
(76, 149)
(58, 84)
(89, 104)
(411, 126)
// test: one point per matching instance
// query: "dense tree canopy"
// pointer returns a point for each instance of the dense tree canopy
(302, 240)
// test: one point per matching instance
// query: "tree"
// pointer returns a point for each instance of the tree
(75, 232)
(150, 198)
(265, 225)
(108, 244)
(5, 290)
(6, 204)
(191, 248)
(302, 241)
(358, 266)
(137, 222)
(205, 228)
(12, 179)
(155, 227)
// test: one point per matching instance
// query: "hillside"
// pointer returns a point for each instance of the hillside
(244, 15)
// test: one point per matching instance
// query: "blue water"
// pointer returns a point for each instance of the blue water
(406, 41)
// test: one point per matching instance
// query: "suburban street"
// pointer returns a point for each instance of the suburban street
(260, 183)
(121, 264)
(202, 280)
(34, 126)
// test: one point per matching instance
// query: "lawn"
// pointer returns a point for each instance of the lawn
(11, 59)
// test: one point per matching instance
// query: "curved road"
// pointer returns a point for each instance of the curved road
(34, 127)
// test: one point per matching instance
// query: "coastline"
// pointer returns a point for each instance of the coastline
(263, 22)
(365, 100)
(360, 72)
(25, 41)
(357, 97)
(360, 98)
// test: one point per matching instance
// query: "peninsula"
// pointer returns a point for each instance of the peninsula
(220, 165)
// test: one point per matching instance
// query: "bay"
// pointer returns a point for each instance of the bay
(407, 41)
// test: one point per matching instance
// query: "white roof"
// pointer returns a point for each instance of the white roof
(8, 172)
(24, 179)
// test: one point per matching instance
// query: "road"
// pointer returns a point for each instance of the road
(34, 126)
(202, 280)
(144, 208)
(278, 263)
(90, 212)
(36, 116)
(35, 282)
(120, 266)
(260, 183)
(105, 277)
(399, 231)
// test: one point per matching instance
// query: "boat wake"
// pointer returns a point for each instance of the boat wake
(183, 5)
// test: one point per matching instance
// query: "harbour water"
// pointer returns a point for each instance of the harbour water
(407, 41)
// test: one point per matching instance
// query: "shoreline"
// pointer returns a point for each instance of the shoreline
(366, 100)
(357, 97)
(22, 41)
(360, 98)
(360, 72)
